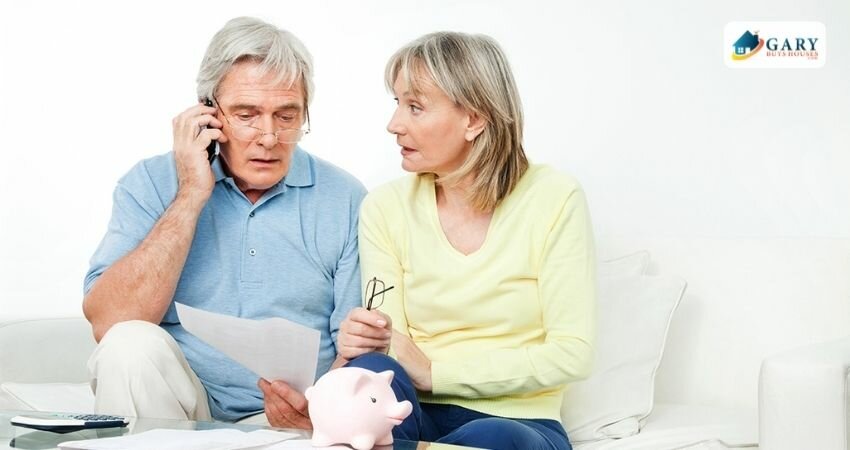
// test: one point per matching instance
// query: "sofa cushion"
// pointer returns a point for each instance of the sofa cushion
(634, 314)
(45, 350)
(54, 397)
(681, 427)
(633, 264)
(43, 365)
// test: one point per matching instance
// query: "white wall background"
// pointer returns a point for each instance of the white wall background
(736, 180)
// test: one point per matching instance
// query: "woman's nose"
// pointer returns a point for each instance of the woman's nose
(395, 126)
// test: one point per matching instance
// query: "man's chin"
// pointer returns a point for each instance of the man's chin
(262, 183)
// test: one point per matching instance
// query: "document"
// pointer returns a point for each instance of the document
(274, 348)
(162, 439)
(305, 444)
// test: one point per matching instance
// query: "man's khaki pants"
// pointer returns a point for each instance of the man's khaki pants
(138, 370)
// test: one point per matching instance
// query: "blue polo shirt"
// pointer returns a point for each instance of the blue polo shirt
(292, 254)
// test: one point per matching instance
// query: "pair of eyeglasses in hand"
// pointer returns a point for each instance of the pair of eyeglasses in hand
(375, 290)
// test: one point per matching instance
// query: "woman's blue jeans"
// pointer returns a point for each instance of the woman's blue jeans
(450, 424)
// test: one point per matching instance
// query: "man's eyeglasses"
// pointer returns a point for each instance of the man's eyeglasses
(248, 133)
(375, 293)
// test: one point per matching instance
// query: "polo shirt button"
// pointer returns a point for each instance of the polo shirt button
(252, 252)
(252, 214)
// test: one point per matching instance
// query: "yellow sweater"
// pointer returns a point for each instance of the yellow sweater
(508, 326)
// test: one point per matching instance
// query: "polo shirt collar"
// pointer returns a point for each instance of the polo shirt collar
(218, 170)
(300, 171)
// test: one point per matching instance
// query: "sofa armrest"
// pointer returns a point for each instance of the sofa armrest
(45, 350)
(803, 398)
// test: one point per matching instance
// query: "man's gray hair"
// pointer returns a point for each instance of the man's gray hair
(248, 39)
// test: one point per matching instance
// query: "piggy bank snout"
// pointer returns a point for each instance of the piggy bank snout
(397, 412)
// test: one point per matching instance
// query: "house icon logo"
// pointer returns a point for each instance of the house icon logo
(747, 45)
(774, 45)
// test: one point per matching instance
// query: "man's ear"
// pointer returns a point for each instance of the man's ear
(475, 126)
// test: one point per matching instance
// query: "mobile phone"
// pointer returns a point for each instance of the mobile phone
(211, 149)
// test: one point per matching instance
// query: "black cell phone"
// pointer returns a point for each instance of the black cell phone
(210, 148)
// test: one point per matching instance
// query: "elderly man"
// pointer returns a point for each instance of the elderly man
(264, 230)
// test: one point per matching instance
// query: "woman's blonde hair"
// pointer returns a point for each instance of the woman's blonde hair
(473, 71)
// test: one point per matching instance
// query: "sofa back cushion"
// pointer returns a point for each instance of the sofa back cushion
(45, 350)
(634, 314)
(43, 365)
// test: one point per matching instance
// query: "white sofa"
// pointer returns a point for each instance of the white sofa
(43, 364)
(803, 393)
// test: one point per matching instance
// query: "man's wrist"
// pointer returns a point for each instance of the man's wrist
(191, 200)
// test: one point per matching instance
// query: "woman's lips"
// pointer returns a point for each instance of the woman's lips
(407, 151)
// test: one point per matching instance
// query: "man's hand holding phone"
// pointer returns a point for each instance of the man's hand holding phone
(211, 148)
(194, 130)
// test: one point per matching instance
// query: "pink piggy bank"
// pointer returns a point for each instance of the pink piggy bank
(355, 406)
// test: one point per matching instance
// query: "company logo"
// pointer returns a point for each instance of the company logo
(747, 45)
(774, 45)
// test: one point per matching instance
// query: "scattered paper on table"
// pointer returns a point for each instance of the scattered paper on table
(162, 439)
(274, 348)
(304, 444)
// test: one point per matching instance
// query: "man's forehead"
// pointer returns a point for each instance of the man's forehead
(247, 83)
(259, 100)
(271, 86)
(266, 97)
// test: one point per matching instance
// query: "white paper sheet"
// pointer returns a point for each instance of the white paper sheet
(274, 349)
(162, 439)
(304, 444)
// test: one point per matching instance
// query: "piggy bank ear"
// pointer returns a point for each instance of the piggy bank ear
(360, 381)
(308, 393)
(387, 375)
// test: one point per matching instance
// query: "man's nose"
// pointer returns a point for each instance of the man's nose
(269, 137)
(268, 140)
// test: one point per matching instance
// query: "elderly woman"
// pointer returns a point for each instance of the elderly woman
(479, 268)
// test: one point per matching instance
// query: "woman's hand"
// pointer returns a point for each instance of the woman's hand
(415, 363)
(364, 331)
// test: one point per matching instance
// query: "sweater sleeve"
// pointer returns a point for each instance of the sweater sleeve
(380, 258)
(566, 286)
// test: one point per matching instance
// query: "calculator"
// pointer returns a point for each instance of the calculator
(66, 423)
